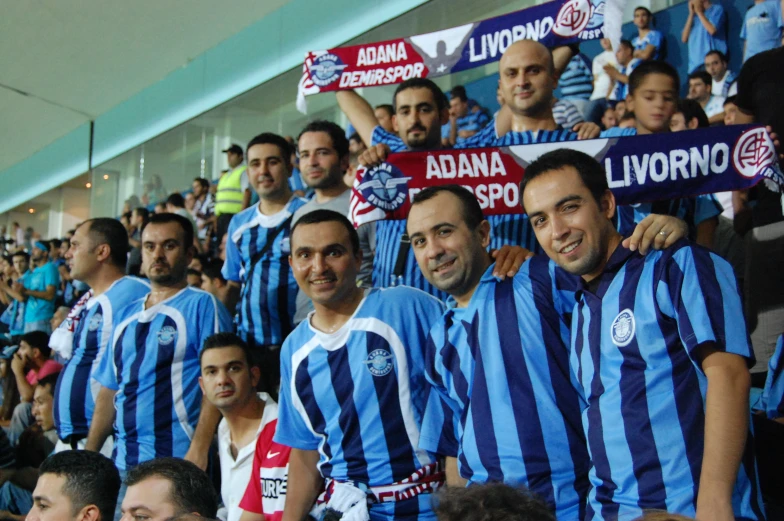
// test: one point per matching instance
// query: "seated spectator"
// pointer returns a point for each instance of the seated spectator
(10, 390)
(160, 208)
(490, 502)
(708, 32)
(384, 115)
(603, 85)
(626, 64)
(14, 314)
(16, 497)
(194, 278)
(355, 144)
(688, 115)
(576, 82)
(176, 204)
(212, 280)
(627, 120)
(78, 485)
(722, 79)
(700, 91)
(464, 122)
(730, 109)
(762, 27)
(647, 44)
(229, 382)
(620, 110)
(59, 315)
(609, 120)
(160, 489)
(771, 402)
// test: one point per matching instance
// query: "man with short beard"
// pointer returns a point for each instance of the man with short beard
(97, 257)
(150, 372)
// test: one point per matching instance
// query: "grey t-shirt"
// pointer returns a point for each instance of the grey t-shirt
(367, 243)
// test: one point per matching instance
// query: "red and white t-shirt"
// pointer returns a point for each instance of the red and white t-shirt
(266, 492)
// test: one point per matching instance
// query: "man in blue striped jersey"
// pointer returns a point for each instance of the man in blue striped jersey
(353, 389)
(150, 373)
(256, 266)
(660, 352)
(498, 360)
(97, 257)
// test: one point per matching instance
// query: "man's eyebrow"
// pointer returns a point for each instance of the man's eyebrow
(434, 227)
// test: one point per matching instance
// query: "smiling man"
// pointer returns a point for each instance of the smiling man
(228, 380)
(352, 384)
(149, 376)
(257, 250)
(660, 353)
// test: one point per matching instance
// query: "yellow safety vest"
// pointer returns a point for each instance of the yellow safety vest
(228, 198)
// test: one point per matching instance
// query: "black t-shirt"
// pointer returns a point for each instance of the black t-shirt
(761, 92)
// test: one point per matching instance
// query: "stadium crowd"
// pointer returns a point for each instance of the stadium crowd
(240, 351)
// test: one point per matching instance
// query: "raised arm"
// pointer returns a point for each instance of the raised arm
(359, 113)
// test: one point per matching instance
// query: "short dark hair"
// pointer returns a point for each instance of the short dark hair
(490, 502)
(142, 212)
(204, 182)
(27, 257)
(268, 138)
(219, 340)
(692, 109)
(104, 230)
(38, 340)
(721, 55)
(422, 83)
(176, 199)
(731, 99)
(649, 67)
(703, 76)
(642, 8)
(388, 108)
(336, 134)
(325, 216)
(459, 92)
(627, 44)
(90, 479)
(590, 171)
(472, 212)
(49, 382)
(166, 218)
(55, 244)
(193, 271)
(191, 488)
(355, 137)
(213, 269)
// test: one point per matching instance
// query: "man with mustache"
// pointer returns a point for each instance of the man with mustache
(150, 372)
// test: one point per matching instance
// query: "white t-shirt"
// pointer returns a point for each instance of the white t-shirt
(717, 87)
(715, 106)
(602, 81)
(235, 473)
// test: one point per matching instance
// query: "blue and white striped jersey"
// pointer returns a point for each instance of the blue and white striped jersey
(74, 396)
(358, 395)
(635, 333)
(501, 366)
(153, 364)
(268, 301)
(394, 141)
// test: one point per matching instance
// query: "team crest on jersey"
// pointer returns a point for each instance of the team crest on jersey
(166, 335)
(622, 328)
(385, 187)
(95, 322)
(379, 362)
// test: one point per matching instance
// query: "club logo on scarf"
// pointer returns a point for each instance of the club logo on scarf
(572, 18)
(95, 322)
(597, 14)
(379, 362)
(754, 153)
(622, 328)
(384, 187)
(166, 335)
(326, 69)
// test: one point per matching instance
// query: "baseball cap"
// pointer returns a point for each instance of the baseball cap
(234, 149)
(8, 352)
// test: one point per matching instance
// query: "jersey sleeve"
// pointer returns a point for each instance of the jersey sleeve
(706, 207)
(439, 432)
(699, 291)
(105, 374)
(394, 142)
(292, 430)
(51, 276)
(484, 138)
(231, 268)
(214, 318)
(773, 394)
(655, 39)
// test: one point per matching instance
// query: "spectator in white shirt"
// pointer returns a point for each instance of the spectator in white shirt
(700, 91)
(602, 83)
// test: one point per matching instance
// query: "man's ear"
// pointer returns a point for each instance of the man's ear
(89, 513)
(484, 233)
(693, 123)
(445, 115)
(608, 204)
